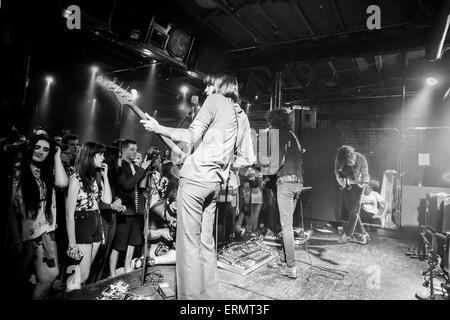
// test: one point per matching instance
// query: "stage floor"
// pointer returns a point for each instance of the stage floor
(378, 271)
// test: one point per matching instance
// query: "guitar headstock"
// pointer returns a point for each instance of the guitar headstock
(122, 95)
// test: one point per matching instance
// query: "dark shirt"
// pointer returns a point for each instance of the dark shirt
(128, 191)
(291, 152)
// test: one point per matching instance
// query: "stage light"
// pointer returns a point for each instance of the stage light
(49, 79)
(94, 69)
(184, 89)
(146, 52)
(431, 81)
(134, 92)
(256, 97)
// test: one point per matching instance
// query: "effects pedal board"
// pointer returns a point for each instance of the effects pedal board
(244, 258)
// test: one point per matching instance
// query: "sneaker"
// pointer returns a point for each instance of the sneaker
(276, 263)
(344, 239)
(290, 272)
(365, 238)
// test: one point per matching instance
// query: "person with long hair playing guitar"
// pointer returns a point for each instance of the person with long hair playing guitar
(218, 133)
(352, 175)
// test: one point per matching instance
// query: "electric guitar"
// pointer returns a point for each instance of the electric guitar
(348, 183)
(128, 98)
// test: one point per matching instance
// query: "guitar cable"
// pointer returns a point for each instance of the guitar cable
(340, 274)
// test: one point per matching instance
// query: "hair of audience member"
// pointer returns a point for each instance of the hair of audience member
(85, 167)
(27, 181)
(166, 169)
(126, 143)
(111, 158)
(117, 143)
(224, 84)
(69, 136)
(374, 184)
(41, 128)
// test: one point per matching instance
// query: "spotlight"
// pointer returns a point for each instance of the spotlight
(94, 69)
(49, 79)
(256, 97)
(431, 81)
(134, 92)
(184, 89)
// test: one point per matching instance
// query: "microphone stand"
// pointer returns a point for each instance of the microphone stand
(146, 215)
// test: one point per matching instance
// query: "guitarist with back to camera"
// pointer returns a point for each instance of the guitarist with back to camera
(352, 175)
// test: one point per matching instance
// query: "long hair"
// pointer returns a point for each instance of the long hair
(85, 167)
(343, 154)
(224, 84)
(280, 119)
(27, 181)
(111, 157)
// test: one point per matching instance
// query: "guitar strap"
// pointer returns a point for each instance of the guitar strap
(230, 164)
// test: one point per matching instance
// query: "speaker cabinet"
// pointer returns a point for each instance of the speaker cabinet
(414, 205)
(434, 210)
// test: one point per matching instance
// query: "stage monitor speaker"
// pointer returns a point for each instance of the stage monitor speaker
(434, 210)
(414, 204)
(446, 215)
(446, 227)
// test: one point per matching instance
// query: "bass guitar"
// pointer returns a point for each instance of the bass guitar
(126, 97)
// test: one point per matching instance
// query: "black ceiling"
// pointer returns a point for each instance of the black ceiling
(323, 48)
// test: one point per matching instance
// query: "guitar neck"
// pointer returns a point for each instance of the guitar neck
(138, 111)
(169, 143)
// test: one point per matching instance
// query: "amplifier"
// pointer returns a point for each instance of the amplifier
(446, 215)
(434, 210)
(243, 258)
(446, 228)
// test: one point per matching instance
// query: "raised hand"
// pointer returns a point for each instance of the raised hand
(146, 163)
(57, 153)
(104, 170)
(151, 124)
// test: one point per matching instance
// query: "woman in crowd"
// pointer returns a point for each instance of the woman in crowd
(32, 221)
(87, 186)
(108, 213)
(253, 178)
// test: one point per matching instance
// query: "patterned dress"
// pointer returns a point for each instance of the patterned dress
(31, 228)
(87, 201)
